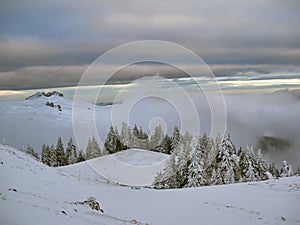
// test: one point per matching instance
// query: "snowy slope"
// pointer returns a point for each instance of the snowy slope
(42, 193)
(133, 167)
(33, 122)
(32, 193)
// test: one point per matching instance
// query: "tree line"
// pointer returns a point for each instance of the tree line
(202, 161)
(194, 161)
(137, 138)
(57, 155)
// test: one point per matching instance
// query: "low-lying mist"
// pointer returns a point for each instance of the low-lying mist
(251, 118)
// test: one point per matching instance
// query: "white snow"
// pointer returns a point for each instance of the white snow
(42, 193)
(135, 167)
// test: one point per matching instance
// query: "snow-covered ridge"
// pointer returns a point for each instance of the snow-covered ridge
(45, 94)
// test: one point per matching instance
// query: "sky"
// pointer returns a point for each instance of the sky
(246, 43)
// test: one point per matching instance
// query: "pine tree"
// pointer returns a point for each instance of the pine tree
(45, 155)
(125, 135)
(159, 182)
(157, 138)
(184, 150)
(168, 178)
(31, 152)
(88, 151)
(196, 177)
(165, 146)
(71, 153)
(95, 148)
(175, 138)
(135, 131)
(53, 160)
(297, 173)
(60, 153)
(134, 142)
(290, 171)
(80, 157)
(286, 170)
(225, 162)
(112, 143)
(261, 166)
(249, 166)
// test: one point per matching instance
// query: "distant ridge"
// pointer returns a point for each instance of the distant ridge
(46, 94)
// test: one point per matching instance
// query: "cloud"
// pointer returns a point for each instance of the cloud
(67, 33)
(36, 77)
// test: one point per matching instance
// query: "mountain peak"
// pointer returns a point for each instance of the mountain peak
(46, 94)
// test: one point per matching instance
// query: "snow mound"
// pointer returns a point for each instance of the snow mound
(140, 157)
(133, 167)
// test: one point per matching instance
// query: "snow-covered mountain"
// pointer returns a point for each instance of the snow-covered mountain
(40, 119)
(43, 117)
(32, 193)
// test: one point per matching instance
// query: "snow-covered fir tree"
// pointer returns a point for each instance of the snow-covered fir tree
(168, 178)
(60, 153)
(45, 155)
(225, 162)
(286, 170)
(80, 157)
(156, 138)
(196, 175)
(53, 160)
(165, 146)
(184, 149)
(71, 153)
(175, 138)
(88, 150)
(95, 148)
(273, 170)
(29, 150)
(125, 135)
(135, 143)
(261, 165)
(112, 143)
(249, 173)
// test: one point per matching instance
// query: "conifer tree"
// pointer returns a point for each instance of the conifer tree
(125, 135)
(261, 166)
(80, 157)
(225, 162)
(156, 138)
(53, 160)
(165, 146)
(95, 148)
(168, 177)
(30, 151)
(196, 177)
(184, 149)
(273, 170)
(286, 170)
(88, 151)
(112, 143)
(45, 155)
(175, 138)
(71, 153)
(60, 153)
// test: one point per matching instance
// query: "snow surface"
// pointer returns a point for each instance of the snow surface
(42, 193)
(135, 167)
